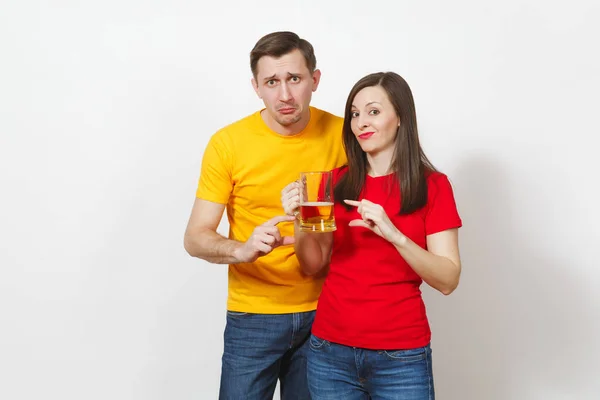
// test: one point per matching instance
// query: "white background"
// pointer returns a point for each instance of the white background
(105, 109)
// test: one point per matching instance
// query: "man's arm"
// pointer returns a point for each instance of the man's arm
(202, 240)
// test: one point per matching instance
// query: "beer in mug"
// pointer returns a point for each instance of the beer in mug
(316, 202)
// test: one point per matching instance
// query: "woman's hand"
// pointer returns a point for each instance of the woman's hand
(290, 198)
(375, 218)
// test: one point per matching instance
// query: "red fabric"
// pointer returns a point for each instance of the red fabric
(371, 296)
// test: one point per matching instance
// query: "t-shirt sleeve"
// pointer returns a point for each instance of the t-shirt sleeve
(442, 213)
(342, 160)
(216, 183)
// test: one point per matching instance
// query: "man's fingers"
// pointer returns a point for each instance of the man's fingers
(267, 238)
(263, 248)
(269, 230)
(280, 218)
(261, 238)
(287, 240)
(258, 243)
(276, 235)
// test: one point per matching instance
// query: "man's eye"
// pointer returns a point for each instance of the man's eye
(271, 82)
(295, 79)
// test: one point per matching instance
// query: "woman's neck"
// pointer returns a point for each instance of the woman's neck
(379, 164)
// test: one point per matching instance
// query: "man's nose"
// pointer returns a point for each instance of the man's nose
(285, 94)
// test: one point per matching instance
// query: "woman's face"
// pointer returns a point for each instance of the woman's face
(374, 121)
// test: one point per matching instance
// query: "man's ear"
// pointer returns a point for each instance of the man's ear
(316, 79)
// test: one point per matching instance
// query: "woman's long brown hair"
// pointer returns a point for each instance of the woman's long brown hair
(409, 163)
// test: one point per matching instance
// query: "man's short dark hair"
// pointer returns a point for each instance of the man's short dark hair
(278, 44)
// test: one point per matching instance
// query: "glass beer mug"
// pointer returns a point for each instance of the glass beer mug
(316, 202)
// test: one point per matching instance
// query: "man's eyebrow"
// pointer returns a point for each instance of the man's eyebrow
(274, 76)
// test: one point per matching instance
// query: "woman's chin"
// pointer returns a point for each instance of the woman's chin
(368, 149)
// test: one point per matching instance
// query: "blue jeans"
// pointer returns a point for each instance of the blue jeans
(261, 348)
(341, 372)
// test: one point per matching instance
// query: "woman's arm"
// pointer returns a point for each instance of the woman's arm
(439, 265)
(312, 249)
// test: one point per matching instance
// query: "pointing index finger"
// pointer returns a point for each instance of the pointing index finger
(352, 202)
(280, 218)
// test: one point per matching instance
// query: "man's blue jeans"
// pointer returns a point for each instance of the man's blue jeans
(341, 372)
(261, 348)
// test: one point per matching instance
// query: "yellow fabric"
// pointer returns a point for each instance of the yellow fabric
(245, 166)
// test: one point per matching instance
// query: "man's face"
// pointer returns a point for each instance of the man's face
(285, 85)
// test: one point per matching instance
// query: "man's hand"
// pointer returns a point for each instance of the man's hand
(264, 239)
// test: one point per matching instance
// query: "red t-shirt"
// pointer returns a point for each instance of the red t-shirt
(371, 297)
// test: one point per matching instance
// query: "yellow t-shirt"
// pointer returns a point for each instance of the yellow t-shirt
(245, 166)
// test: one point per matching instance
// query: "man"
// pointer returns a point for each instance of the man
(270, 306)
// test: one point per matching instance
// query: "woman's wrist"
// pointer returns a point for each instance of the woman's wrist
(399, 240)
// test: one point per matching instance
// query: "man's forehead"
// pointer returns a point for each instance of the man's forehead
(289, 64)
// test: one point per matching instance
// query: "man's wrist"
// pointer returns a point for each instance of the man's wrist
(237, 252)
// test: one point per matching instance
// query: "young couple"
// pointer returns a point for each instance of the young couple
(397, 226)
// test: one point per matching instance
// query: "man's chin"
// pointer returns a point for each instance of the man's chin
(288, 120)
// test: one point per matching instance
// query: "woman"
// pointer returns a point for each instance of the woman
(397, 226)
